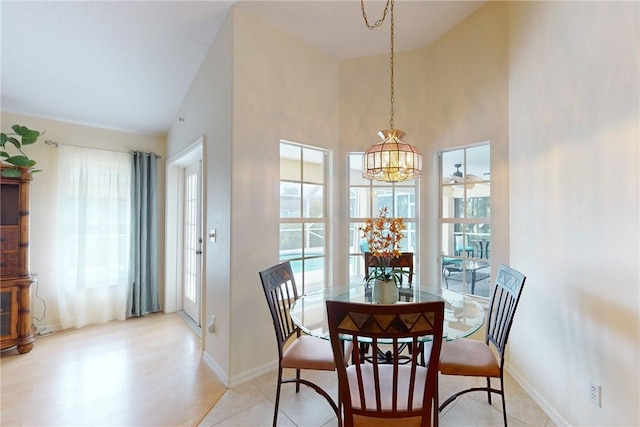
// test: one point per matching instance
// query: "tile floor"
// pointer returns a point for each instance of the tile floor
(251, 404)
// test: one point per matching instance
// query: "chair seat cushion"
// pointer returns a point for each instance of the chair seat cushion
(386, 386)
(468, 357)
(307, 352)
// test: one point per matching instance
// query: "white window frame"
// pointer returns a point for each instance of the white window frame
(463, 258)
(355, 181)
(307, 279)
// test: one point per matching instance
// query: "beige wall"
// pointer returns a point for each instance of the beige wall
(465, 103)
(574, 147)
(282, 90)
(43, 201)
(279, 89)
(207, 112)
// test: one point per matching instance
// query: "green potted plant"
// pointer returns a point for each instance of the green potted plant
(12, 164)
(383, 236)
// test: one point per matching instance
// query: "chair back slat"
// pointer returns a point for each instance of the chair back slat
(281, 292)
(504, 301)
(383, 381)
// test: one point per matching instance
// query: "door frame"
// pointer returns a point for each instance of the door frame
(174, 235)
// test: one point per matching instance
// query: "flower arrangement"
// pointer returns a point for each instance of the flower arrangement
(383, 235)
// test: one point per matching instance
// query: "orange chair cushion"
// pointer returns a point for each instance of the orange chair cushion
(468, 357)
(307, 352)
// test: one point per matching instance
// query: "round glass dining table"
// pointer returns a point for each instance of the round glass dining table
(463, 315)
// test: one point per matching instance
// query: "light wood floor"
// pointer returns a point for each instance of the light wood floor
(139, 372)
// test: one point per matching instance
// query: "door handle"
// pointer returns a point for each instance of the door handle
(198, 252)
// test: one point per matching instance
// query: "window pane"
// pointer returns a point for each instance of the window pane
(359, 202)
(480, 239)
(355, 170)
(478, 162)
(290, 161)
(408, 244)
(356, 269)
(358, 244)
(313, 166)
(290, 200)
(382, 197)
(314, 239)
(313, 201)
(448, 242)
(290, 241)
(405, 202)
(452, 166)
(478, 207)
(296, 267)
(450, 195)
(313, 274)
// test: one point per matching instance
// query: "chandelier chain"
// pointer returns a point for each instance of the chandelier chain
(379, 21)
(375, 25)
(391, 65)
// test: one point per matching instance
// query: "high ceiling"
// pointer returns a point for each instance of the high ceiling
(128, 65)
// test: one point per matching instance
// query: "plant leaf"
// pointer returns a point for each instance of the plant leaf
(29, 136)
(3, 139)
(13, 141)
(21, 161)
(11, 173)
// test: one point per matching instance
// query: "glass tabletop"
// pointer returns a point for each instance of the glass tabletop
(462, 315)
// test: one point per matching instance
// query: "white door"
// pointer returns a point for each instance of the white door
(192, 245)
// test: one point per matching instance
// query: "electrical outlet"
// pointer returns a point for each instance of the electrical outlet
(594, 393)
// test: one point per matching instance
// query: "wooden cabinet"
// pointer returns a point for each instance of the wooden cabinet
(15, 277)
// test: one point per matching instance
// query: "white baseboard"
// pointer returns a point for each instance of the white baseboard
(238, 379)
(533, 393)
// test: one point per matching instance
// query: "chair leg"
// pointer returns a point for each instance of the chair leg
(277, 403)
(488, 390)
(297, 382)
(504, 403)
(436, 403)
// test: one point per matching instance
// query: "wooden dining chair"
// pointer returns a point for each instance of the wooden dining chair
(404, 262)
(472, 358)
(387, 394)
(295, 350)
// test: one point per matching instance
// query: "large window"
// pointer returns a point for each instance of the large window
(365, 200)
(303, 219)
(94, 235)
(465, 212)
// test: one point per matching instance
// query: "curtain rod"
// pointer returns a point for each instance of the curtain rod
(50, 142)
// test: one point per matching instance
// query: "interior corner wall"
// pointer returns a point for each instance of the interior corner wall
(43, 203)
(574, 202)
(206, 112)
(465, 102)
(452, 93)
(282, 89)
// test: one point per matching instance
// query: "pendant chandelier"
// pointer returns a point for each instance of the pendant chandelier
(391, 159)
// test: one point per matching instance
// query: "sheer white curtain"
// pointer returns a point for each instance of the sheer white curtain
(93, 235)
